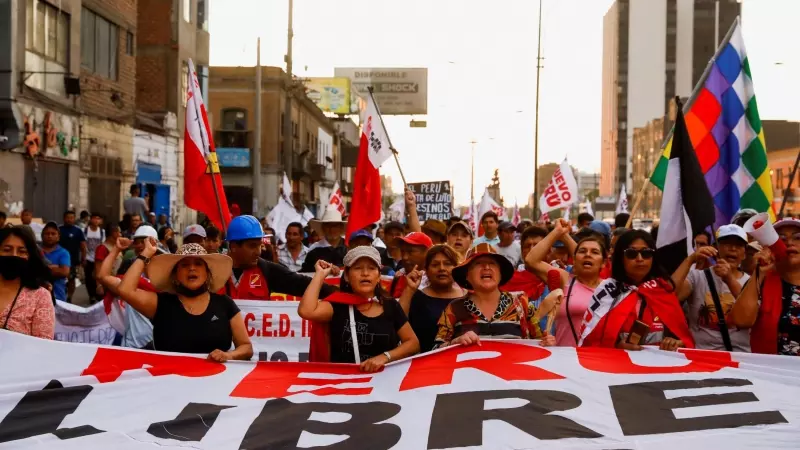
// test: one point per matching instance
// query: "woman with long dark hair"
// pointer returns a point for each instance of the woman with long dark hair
(638, 304)
(578, 283)
(367, 327)
(425, 306)
(26, 306)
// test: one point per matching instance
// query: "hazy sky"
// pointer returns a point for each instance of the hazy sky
(481, 60)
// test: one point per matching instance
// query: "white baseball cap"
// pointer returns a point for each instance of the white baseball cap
(732, 230)
(145, 231)
(788, 222)
(195, 229)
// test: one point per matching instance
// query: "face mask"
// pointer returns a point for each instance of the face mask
(12, 267)
(191, 293)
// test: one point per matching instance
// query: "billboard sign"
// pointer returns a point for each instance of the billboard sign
(330, 94)
(398, 91)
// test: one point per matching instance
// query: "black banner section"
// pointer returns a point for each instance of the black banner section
(281, 422)
(434, 200)
(643, 408)
(458, 418)
(192, 423)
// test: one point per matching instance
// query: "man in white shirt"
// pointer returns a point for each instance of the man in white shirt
(507, 246)
(702, 313)
(489, 222)
(293, 253)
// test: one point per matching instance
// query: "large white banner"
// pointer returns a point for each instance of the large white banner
(276, 331)
(78, 324)
(503, 394)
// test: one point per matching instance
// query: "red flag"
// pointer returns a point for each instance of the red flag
(201, 168)
(374, 150)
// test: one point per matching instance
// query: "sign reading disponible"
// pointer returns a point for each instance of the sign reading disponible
(502, 394)
(397, 91)
(433, 199)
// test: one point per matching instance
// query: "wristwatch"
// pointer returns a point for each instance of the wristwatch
(143, 258)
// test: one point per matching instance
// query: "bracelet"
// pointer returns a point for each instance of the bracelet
(388, 356)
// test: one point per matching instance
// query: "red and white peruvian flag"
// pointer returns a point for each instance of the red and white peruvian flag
(374, 150)
(201, 168)
(336, 200)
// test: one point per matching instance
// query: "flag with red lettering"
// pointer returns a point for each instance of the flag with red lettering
(509, 394)
(336, 200)
(202, 186)
(516, 218)
(365, 208)
(561, 191)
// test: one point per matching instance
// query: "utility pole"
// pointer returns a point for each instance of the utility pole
(716, 24)
(288, 138)
(536, 126)
(257, 138)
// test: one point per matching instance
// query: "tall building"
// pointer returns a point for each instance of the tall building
(647, 142)
(653, 50)
(68, 84)
(314, 139)
(783, 145)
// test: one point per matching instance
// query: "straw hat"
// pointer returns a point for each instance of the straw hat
(483, 249)
(331, 215)
(160, 268)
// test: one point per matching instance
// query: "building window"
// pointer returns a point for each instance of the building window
(187, 10)
(233, 129)
(47, 31)
(202, 79)
(184, 81)
(202, 15)
(130, 44)
(99, 44)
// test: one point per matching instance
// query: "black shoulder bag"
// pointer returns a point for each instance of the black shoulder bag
(723, 327)
(569, 316)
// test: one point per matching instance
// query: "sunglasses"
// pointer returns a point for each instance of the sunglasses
(646, 253)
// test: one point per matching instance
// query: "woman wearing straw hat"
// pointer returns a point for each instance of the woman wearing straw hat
(187, 315)
(487, 311)
(360, 313)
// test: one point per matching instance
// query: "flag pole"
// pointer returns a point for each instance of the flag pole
(391, 146)
(212, 155)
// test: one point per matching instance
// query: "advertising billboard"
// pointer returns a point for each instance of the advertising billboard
(330, 94)
(398, 91)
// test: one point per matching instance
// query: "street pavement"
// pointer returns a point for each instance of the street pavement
(81, 296)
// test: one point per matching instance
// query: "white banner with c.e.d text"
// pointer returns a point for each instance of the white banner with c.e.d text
(276, 331)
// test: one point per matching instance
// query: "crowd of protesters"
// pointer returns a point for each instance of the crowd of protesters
(449, 287)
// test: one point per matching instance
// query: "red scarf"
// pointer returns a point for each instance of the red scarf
(525, 281)
(605, 271)
(764, 334)
(660, 298)
(320, 347)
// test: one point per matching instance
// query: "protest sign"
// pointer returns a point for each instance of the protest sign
(433, 200)
(561, 191)
(87, 325)
(502, 394)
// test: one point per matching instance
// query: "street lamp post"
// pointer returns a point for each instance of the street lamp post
(536, 123)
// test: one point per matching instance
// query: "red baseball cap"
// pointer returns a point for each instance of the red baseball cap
(418, 239)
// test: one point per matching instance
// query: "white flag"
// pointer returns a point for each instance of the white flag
(287, 190)
(307, 216)
(561, 191)
(375, 133)
(622, 202)
(281, 216)
(488, 204)
(397, 210)
(589, 209)
(336, 200)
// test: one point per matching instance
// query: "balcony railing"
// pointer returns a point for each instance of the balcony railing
(233, 138)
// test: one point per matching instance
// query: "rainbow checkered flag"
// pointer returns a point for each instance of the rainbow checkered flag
(725, 131)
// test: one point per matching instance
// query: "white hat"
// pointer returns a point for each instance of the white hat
(161, 266)
(331, 215)
(145, 231)
(362, 252)
(787, 222)
(195, 229)
(732, 230)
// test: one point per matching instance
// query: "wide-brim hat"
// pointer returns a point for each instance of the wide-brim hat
(483, 249)
(331, 215)
(160, 268)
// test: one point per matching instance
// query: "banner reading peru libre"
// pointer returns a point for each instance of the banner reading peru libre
(56, 395)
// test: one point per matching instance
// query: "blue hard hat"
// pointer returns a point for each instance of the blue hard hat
(244, 227)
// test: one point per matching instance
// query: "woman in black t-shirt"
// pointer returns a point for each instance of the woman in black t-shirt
(361, 312)
(425, 306)
(187, 316)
